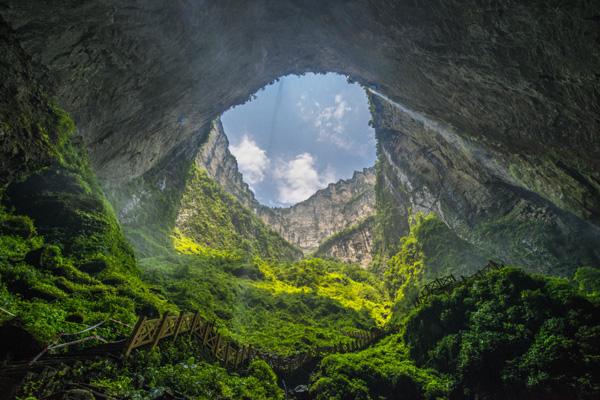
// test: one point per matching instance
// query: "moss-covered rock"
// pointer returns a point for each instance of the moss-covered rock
(47, 257)
(18, 225)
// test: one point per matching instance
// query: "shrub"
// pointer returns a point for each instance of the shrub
(511, 334)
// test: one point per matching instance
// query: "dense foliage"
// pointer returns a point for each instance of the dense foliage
(282, 308)
(511, 335)
(64, 261)
(429, 250)
(176, 368)
(65, 265)
(383, 371)
(506, 335)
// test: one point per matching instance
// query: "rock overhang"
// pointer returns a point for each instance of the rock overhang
(519, 80)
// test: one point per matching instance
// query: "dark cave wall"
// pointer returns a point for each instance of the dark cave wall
(140, 77)
(144, 79)
(432, 169)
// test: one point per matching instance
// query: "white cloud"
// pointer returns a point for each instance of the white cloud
(333, 114)
(298, 179)
(331, 123)
(252, 160)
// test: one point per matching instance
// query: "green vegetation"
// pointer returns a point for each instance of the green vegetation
(381, 371)
(65, 265)
(429, 250)
(506, 335)
(214, 218)
(391, 218)
(175, 368)
(587, 280)
(149, 205)
(64, 262)
(282, 308)
(513, 335)
(405, 270)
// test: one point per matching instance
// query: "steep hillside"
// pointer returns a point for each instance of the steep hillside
(212, 217)
(327, 216)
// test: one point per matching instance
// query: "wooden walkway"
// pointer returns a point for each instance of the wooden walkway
(149, 332)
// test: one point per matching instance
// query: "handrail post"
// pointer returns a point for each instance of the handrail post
(216, 347)
(136, 329)
(159, 329)
(226, 356)
(206, 333)
(178, 326)
(194, 322)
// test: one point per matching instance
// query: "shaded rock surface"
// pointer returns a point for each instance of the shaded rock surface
(353, 244)
(141, 78)
(429, 167)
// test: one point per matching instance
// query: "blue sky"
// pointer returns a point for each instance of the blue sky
(300, 134)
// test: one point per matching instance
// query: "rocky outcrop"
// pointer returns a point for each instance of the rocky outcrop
(221, 165)
(353, 244)
(142, 78)
(328, 212)
(517, 83)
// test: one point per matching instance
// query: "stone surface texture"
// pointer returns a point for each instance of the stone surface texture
(430, 168)
(221, 165)
(328, 212)
(353, 244)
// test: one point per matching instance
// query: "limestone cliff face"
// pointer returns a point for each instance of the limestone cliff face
(329, 211)
(142, 78)
(308, 224)
(518, 84)
(429, 167)
(353, 244)
(221, 165)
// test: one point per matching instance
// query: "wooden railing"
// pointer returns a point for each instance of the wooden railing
(149, 332)
(447, 283)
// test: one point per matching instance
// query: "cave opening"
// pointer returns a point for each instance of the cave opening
(299, 134)
(121, 200)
